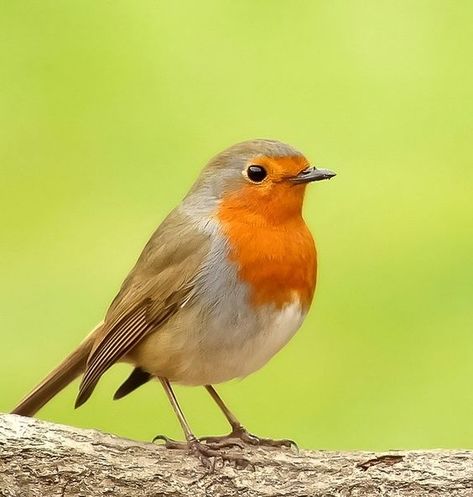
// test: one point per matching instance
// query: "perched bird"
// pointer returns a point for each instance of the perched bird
(222, 285)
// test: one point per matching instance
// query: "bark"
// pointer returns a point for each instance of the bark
(43, 459)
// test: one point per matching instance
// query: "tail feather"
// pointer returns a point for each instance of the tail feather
(69, 369)
(137, 378)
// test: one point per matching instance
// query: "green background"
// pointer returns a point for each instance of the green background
(108, 110)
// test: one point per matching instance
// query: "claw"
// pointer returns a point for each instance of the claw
(209, 455)
(222, 442)
(170, 443)
(239, 435)
(208, 450)
(251, 439)
(267, 442)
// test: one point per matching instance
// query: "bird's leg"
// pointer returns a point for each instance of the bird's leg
(206, 452)
(239, 432)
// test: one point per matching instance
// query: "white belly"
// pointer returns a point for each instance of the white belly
(279, 328)
(192, 352)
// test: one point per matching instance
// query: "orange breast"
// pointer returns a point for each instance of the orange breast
(272, 247)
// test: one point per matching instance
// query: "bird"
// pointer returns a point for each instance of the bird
(222, 285)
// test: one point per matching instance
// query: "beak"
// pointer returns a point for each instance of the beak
(310, 174)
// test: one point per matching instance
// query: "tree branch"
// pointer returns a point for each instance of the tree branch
(43, 459)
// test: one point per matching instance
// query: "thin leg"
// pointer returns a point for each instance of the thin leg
(231, 418)
(190, 437)
(204, 451)
(238, 431)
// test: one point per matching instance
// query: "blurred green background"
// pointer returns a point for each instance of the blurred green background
(108, 110)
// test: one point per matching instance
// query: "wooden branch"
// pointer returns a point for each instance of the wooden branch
(43, 459)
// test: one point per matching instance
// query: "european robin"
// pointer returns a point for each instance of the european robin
(223, 284)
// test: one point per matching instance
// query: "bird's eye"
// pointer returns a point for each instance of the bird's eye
(256, 173)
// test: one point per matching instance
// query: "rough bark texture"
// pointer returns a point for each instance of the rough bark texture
(44, 459)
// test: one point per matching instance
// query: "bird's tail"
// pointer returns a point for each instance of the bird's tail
(69, 369)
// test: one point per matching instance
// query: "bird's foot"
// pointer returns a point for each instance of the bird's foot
(208, 453)
(241, 434)
(218, 443)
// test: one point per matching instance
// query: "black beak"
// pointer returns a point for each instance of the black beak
(312, 174)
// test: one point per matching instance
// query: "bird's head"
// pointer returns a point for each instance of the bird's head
(260, 177)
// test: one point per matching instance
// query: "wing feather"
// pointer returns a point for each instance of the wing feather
(114, 346)
(161, 281)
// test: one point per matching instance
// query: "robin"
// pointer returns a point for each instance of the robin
(222, 285)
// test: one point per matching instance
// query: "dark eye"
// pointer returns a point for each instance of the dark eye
(256, 173)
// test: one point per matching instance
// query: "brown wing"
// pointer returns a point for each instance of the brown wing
(158, 285)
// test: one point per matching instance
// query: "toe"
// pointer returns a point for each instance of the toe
(169, 443)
